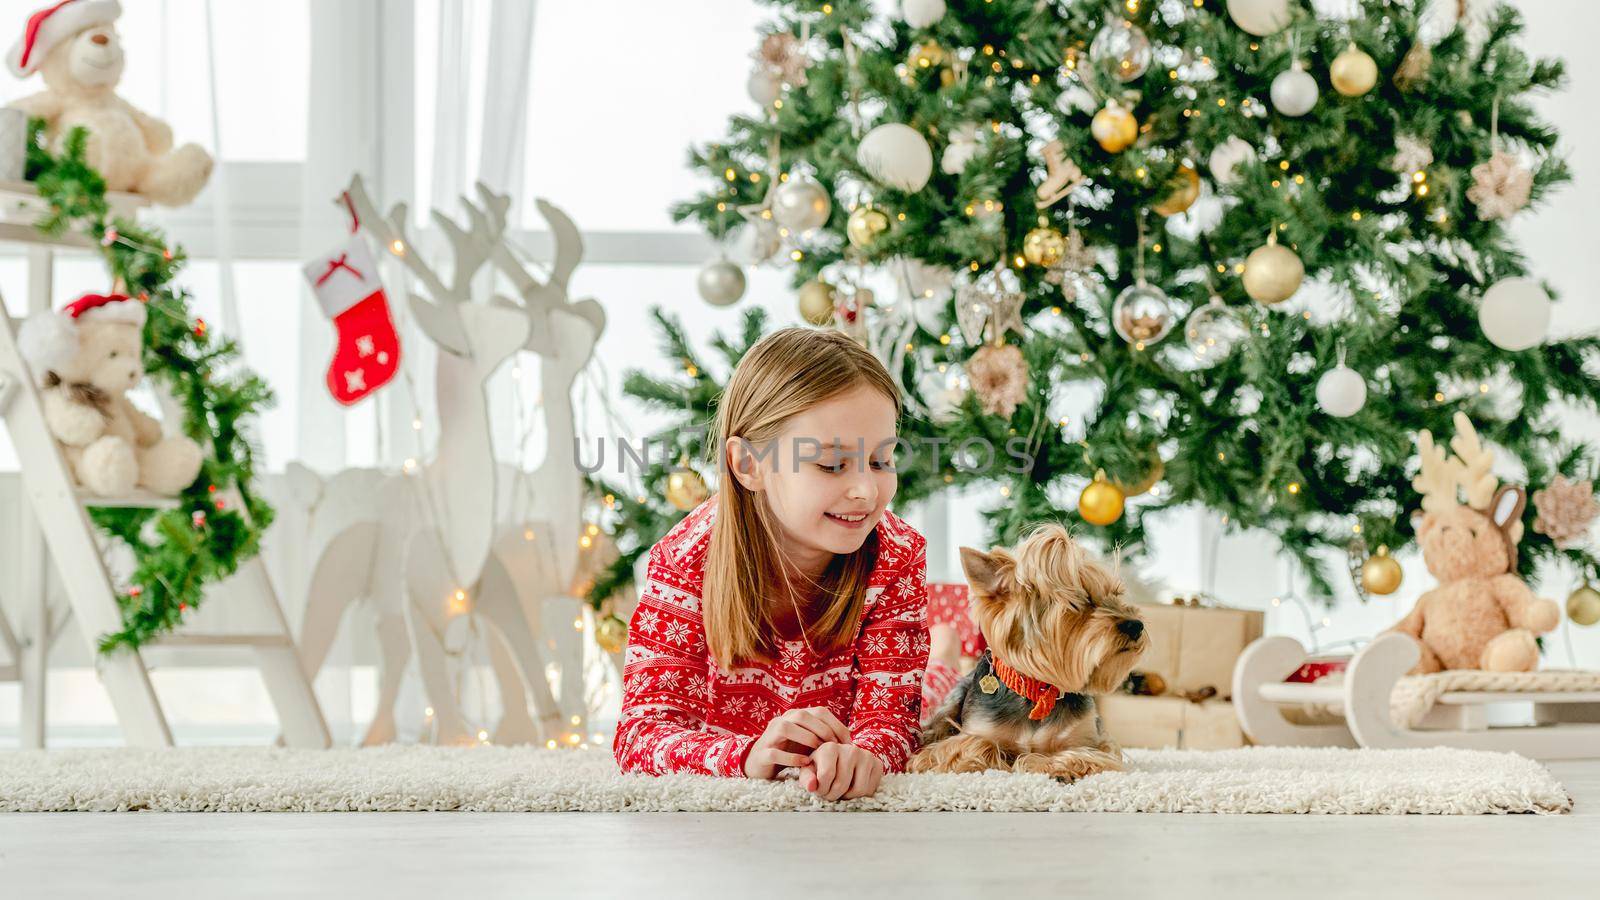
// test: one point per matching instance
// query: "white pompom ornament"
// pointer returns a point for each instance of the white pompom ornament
(1515, 314)
(1341, 391)
(897, 155)
(1294, 91)
(921, 13)
(1259, 17)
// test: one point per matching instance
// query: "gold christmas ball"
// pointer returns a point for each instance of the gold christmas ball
(1583, 607)
(817, 301)
(685, 489)
(1044, 246)
(611, 633)
(1101, 502)
(926, 55)
(864, 226)
(1353, 72)
(1380, 574)
(1272, 272)
(1114, 128)
(1185, 191)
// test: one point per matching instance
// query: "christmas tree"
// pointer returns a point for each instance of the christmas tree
(1258, 246)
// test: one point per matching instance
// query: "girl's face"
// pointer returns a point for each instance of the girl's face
(828, 477)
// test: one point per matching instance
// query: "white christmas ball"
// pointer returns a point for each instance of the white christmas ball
(1341, 391)
(1227, 157)
(1259, 17)
(765, 86)
(897, 155)
(1294, 91)
(721, 283)
(1515, 314)
(755, 242)
(921, 13)
(801, 204)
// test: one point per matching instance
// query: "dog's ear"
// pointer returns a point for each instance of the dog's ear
(986, 572)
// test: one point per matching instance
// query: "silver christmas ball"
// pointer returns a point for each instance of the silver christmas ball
(1121, 51)
(801, 204)
(1515, 314)
(1142, 314)
(1213, 330)
(1294, 91)
(721, 283)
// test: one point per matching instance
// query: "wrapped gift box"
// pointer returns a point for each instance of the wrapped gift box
(1194, 647)
(1157, 722)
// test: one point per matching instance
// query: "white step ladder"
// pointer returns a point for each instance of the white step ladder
(59, 528)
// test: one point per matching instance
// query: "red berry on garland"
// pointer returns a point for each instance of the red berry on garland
(199, 327)
(166, 255)
(183, 607)
(198, 518)
(211, 489)
(221, 504)
(135, 591)
(110, 237)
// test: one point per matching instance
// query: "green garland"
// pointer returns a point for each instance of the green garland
(180, 551)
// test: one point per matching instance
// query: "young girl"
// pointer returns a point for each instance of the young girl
(783, 622)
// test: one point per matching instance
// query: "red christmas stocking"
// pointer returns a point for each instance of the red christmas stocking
(348, 289)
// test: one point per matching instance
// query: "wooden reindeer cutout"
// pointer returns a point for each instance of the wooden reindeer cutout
(425, 549)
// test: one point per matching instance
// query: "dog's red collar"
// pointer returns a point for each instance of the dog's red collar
(1044, 696)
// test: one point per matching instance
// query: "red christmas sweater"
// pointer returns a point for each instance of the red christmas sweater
(681, 714)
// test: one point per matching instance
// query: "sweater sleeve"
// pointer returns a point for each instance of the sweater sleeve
(665, 692)
(891, 656)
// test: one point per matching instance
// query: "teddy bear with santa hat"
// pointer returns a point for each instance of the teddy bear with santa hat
(74, 46)
(86, 358)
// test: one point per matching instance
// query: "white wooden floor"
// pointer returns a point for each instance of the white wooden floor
(473, 856)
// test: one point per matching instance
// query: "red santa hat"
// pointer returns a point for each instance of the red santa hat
(52, 25)
(49, 340)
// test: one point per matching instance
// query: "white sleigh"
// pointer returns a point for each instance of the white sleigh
(1566, 722)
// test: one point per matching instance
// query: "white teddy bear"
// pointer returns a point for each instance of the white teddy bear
(86, 358)
(75, 46)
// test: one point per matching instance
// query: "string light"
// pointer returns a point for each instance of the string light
(397, 247)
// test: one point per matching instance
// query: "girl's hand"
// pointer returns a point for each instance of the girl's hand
(790, 739)
(842, 772)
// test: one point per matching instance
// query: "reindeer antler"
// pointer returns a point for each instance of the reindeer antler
(471, 248)
(1472, 466)
(1434, 481)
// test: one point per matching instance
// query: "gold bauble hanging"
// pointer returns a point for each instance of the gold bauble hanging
(1101, 502)
(864, 226)
(926, 55)
(1185, 191)
(1044, 246)
(1114, 127)
(1353, 72)
(817, 301)
(1380, 574)
(1583, 607)
(611, 633)
(685, 489)
(1272, 272)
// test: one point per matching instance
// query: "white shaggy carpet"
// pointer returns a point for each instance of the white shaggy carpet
(508, 779)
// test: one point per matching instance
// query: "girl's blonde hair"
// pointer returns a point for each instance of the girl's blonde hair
(783, 375)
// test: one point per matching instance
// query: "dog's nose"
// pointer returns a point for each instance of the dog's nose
(1131, 628)
(100, 39)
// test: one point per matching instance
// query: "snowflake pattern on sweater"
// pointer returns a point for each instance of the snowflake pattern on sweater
(681, 714)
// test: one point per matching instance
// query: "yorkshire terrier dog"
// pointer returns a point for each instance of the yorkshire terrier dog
(1059, 633)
